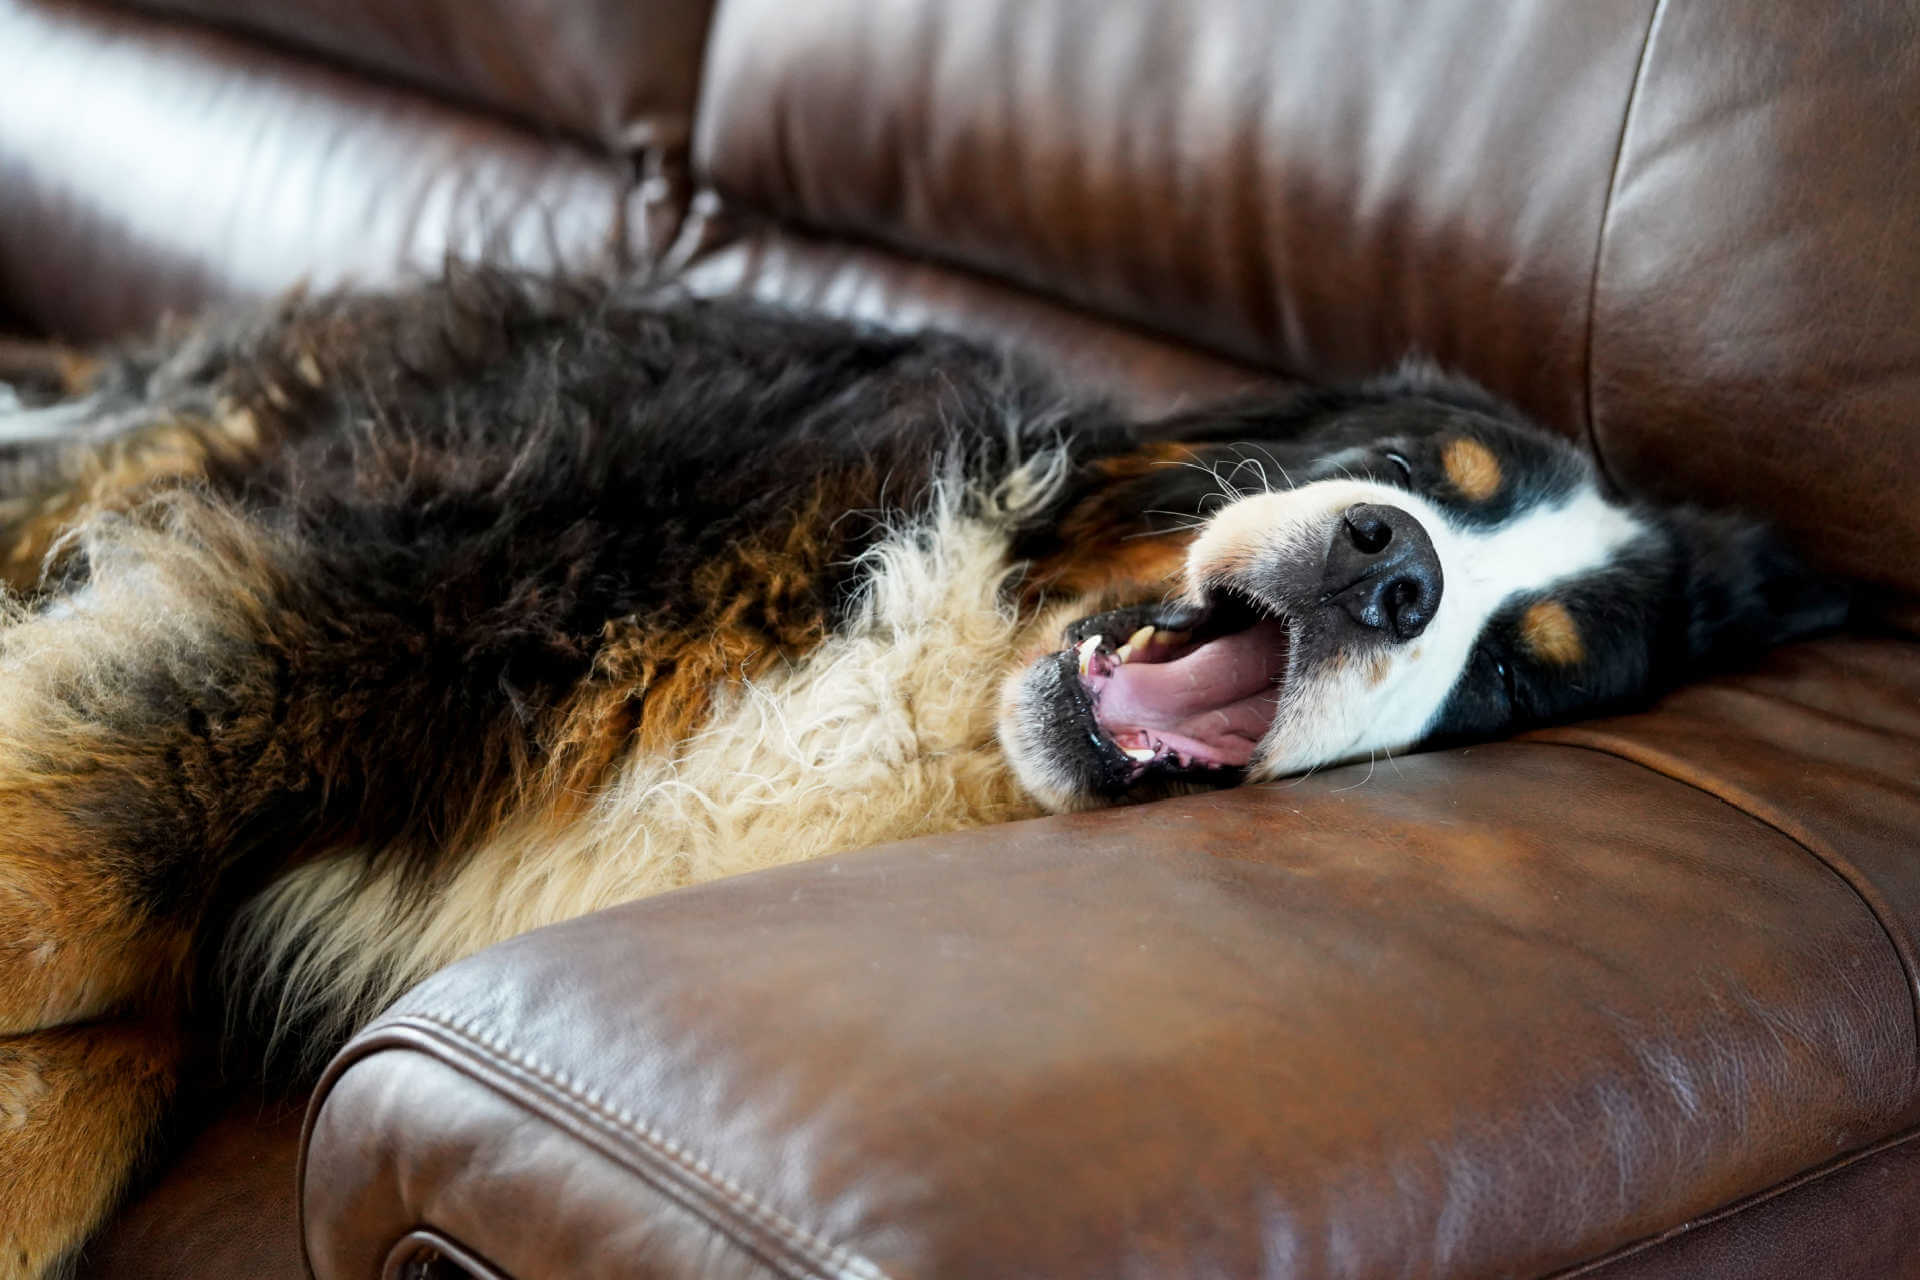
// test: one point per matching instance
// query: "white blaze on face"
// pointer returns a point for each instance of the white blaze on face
(1336, 707)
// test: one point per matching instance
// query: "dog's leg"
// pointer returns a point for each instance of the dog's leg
(77, 1108)
(80, 1089)
(75, 940)
(142, 747)
(91, 968)
(224, 694)
(78, 1099)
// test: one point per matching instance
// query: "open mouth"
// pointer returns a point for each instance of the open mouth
(1180, 690)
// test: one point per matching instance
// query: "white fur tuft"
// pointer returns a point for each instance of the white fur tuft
(886, 731)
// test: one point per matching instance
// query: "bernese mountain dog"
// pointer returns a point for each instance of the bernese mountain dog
(350, 636)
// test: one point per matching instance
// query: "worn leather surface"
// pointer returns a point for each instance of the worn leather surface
(148, 168)
(1821, 743)
(839, 278)
(1495, 1011)
(1641, 222)
(1636, 997)
(1757, 311)
(223, 1206)
(1313, 187)
(621, 72)
(1681, 236)
(1845, 1222)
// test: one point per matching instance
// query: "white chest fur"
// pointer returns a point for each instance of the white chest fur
(885, 731)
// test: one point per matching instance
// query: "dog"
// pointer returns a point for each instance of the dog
(350, 636)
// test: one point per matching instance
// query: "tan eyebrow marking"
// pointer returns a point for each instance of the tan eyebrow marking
(1551, 635)
(1472, 468)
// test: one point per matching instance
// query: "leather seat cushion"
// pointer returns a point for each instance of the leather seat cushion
(1504, 1009)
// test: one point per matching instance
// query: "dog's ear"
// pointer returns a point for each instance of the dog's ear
(1745, 589)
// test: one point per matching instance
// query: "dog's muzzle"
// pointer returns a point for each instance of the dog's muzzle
(1382, 572)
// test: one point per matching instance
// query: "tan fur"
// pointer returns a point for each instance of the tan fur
(1551, 635)
(1246, 534)
(76, 1106)
(113, 476)
(1472, 469)
(1102, 547)
(760, 609)
(654, 688)
(26, 360)
(177, 591)
(1124, 567)
(69, 947)
(879, 733)
(178, 587)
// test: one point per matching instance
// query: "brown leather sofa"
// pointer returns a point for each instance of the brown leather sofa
(1629, 999)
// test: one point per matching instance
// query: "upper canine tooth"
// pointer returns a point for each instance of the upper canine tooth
(1089, 647)
(1140, 637)
(1142, 754)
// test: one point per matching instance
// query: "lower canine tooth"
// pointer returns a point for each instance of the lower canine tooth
(1142, 754)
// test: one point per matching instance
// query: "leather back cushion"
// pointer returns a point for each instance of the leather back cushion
(1681, 236)
(622, 72)
(1756, 326)
(149, 167)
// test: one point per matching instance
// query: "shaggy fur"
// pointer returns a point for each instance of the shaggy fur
(354, 636)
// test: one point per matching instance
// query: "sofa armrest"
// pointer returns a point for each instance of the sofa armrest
(1515, 1009)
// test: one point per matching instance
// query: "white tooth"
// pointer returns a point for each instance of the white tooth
(1089, 647)
(1139, 637)
(1142, 754)
(1123, 655)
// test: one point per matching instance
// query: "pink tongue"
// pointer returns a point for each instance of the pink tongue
(1221, 695)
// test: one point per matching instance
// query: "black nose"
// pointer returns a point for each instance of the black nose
(1382, 570)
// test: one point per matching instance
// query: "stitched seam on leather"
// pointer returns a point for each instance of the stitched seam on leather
(1738, 1207)
(1606, 217)
(623, 1124)
(820, 1252)
(1835, 862)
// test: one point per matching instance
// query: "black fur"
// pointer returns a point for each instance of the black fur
(440, 558)
(462, 489)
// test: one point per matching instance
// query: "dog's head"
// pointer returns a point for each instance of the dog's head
(1417, 564)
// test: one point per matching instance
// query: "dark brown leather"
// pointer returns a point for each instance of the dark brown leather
(148, 168)
(1757, 313)
(842, 279)
(1322, 187)
(621, 72)
(1493, 1011)
(1316, 188)
(1845, 1222)
(223, 1207)
(1636, 998)
(1821, 743)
